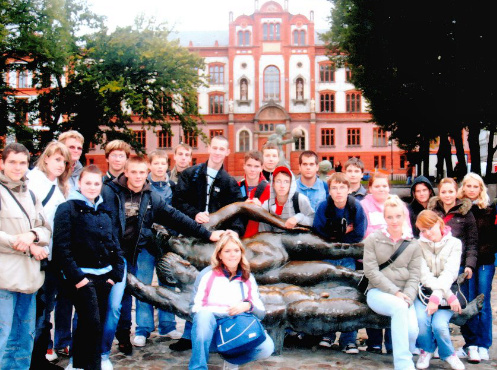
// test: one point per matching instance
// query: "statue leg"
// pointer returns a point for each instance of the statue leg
(278, 335)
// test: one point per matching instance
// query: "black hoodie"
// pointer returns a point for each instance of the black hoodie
(415, 207)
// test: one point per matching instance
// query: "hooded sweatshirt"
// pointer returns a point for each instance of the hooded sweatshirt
(304, 217)
(415, 207)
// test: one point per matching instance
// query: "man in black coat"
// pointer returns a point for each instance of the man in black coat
(135, 208)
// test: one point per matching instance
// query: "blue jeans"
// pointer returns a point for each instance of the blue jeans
(434, 330)
(144, 311)
(204, 326)
(350, 336)
(478, 330)
(124, 323)
(17, 329)
(113, 314)
(404, 325)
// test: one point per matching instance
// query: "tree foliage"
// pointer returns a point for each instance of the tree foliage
(426, 71)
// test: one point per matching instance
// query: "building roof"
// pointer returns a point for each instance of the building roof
(201, 38)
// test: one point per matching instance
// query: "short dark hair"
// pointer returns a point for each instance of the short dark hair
(270, 145)
(92, 168)
(354, 161)
(136, 159)
(340, 178)
(308, 153)
(184, 146)
(255, 155)
(14, 148)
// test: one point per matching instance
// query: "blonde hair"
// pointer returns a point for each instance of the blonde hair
(427, 219)
(53, 148)
(393, 201)
(72, 134)
(117, 145)
(216, 262)
(447, 180)
(483, 199)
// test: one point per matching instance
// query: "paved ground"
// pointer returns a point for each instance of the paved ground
(156, 355)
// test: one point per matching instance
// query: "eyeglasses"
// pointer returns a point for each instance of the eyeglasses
(78, 148)
(117, 156)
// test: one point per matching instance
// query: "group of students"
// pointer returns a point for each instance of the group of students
(94, 228)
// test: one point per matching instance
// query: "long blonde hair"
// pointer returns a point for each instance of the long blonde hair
(51, 149)
(483, 199)
(216, 262)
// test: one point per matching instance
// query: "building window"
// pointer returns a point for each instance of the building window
(271, 83)
(353, 136)
(216, 73)
(327, 102)
(380, 161)
(268, 127)
(403, 161)
(191, 139)
(213, 133)
(353, 102)
(326, 72)
(348, 75)
(141, 137)
(243, 38)
(163, 139)
(379, 137)
(271, 31)
(243, 89)
(327, 137)
(331, 159)
(216, 104)
(300, 142)
(244, 141)
(299, 86)
(299, 37)
(22, 80)
(21, 110)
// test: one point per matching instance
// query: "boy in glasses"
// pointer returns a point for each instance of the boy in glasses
(116, 154)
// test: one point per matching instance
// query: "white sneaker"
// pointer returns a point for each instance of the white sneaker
(106, 365)
(473, 355)
(229, 366)
(424, 360)
(51, 355)
(436, 355)
(173, 334)
(483, 352)
(139, 341)
(455, 363)
(461, 353)
(325, 342)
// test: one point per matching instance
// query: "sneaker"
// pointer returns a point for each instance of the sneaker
(325, 342)
(416, 351)
(106, 365)
(436, 355)
(181, 345)
(351, 349)
(473, 355)
(424, 360)
(51, 355)
(483, 353)
(173, 334)
(139, 341)
(461, 353)
(374, 349)
(64, 352)
(229, 366)
(454, 362)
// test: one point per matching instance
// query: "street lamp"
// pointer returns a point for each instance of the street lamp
(390, 142)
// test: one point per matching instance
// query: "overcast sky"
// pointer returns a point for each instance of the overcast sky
(197, 15)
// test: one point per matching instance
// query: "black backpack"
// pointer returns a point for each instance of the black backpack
(258, 191)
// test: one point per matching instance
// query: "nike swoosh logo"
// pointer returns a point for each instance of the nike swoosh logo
(231, 327)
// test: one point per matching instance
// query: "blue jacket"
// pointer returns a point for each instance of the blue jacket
(163, 188)
(153, 209)
(316, 193)
(331, 227)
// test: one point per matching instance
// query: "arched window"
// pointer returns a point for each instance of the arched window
(243, 89)
(271, 83)
(299, 37)
(299, 88)
(243, 141)
(327, 101)
(216, 103)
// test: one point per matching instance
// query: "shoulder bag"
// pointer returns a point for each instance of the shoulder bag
(424, 294)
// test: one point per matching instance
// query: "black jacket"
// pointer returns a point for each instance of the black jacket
(463, 227)
(190, 194)
(84, 237)
(415, 207)
(487, 234)
(153, 209)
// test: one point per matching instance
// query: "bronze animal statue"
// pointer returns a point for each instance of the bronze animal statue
(298, 289)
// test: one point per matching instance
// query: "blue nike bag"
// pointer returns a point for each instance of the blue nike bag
(238, 334)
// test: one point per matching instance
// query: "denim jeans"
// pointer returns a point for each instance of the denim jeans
(144, 311)
(17, 329)
(204, 326)
(478, 330)
(434, 330)
(124, 323)
(404, 325)
(350, 336)
(113, 314)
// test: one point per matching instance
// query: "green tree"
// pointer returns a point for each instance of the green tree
(420, 68)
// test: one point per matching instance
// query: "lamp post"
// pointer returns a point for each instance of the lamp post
(390, 142)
